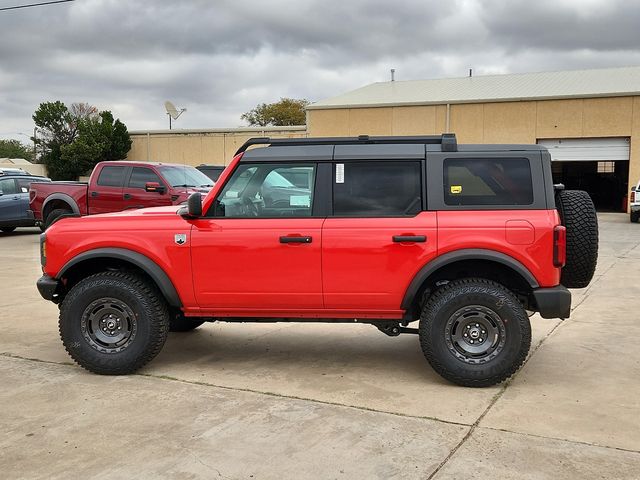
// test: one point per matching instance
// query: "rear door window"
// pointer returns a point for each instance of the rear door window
(487, 181)
(377, 188)
(111, 177)
(8, 186)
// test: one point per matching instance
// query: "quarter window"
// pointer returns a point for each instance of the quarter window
(377, 189)
(265, 191)
(111, 177)
(487, 181)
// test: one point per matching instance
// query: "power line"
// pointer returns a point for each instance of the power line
(35, 5)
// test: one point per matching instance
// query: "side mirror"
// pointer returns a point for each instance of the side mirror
(194, 205)
(154, 187)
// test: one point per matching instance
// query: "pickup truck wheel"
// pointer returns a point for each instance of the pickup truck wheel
(8, 229)
(634, 217)
(578, 215)
(180, 323)
(113, 323)
(55, 214)
(474, 332)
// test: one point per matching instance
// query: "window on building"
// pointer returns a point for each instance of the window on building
(487, 181)
(377, 189)
(606, 167)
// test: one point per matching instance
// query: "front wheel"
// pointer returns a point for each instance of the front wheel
(474, 332)
(113, 323)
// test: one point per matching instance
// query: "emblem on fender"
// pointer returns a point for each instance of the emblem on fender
(180, 238)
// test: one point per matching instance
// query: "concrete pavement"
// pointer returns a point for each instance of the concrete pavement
(324, 401)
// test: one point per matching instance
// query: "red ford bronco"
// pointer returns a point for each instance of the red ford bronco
(467, 240)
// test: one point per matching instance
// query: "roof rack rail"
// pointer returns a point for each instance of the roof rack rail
(447, 140)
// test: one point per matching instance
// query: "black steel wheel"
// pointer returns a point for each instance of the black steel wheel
(113, 323)
(474, 332)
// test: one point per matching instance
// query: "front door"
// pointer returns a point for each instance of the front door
(135, 195)
(260, 249)
(379, 235)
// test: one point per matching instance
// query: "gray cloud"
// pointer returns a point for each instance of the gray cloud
(221, 58)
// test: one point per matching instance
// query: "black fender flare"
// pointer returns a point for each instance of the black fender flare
(151, 268)
(461, 255)
(63, 197)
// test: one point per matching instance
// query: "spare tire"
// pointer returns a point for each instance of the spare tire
(578, 215)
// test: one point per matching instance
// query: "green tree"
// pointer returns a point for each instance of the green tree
(73, 140)
(286, 112)
(15, 149)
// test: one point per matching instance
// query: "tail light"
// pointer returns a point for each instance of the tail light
(559, 246)
(633, 196)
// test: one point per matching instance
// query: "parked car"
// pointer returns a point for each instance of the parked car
(211, 171)
(115, 186)
(14, 201)
(635, 203)
(466, 240)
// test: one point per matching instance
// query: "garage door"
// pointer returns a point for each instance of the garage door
(587, 149)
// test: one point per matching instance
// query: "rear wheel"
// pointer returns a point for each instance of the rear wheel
(113, 323)
(634, 216)
(8, 229)
(55, 214)
(578, 215)
(474, 332)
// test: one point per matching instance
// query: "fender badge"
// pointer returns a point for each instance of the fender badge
(180, 238)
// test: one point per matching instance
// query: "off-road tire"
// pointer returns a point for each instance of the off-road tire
(180, 323)
(149, 314)
(634, 217)
(578, 215)
(8, 229)
(55, 214)
(471, 294)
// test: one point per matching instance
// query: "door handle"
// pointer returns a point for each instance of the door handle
(295, 239)
(409, 238)
(15, 198)
(94, 194)
(127, 196)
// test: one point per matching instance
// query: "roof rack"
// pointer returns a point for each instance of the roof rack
(447, 140)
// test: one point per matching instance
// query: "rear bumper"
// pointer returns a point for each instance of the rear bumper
(635, 207)
(48, 287)
(554, 302)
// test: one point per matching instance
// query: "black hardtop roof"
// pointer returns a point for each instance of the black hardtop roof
(319, 147)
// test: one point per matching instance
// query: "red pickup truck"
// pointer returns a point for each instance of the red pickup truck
(116, 186)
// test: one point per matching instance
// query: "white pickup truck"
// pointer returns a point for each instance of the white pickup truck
(635, 203)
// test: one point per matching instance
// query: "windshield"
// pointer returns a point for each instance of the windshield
(184, 176)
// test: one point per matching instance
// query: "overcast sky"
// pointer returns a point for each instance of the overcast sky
(221, 58)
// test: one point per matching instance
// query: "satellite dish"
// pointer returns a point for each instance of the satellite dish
(172, 111)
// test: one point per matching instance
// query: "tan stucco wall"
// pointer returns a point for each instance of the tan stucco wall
(196, 148)
(500, 122)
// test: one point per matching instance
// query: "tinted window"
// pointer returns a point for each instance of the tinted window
(487, 181)
(8, 186)
(24, 184)
(377, 189)
(141, 175)
(111, 177)
(263, 191)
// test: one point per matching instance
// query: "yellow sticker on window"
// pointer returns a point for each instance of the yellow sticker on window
(456, 189)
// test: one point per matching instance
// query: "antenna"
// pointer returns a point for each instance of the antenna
(172, 111)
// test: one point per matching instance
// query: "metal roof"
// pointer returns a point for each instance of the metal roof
(606, 82)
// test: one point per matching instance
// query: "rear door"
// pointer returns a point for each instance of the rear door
(9, 200)
(134, 194)
(379, 235)
(22, 189)
(105, 195)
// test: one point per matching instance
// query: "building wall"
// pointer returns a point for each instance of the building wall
(499, 122)
(191, 147)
